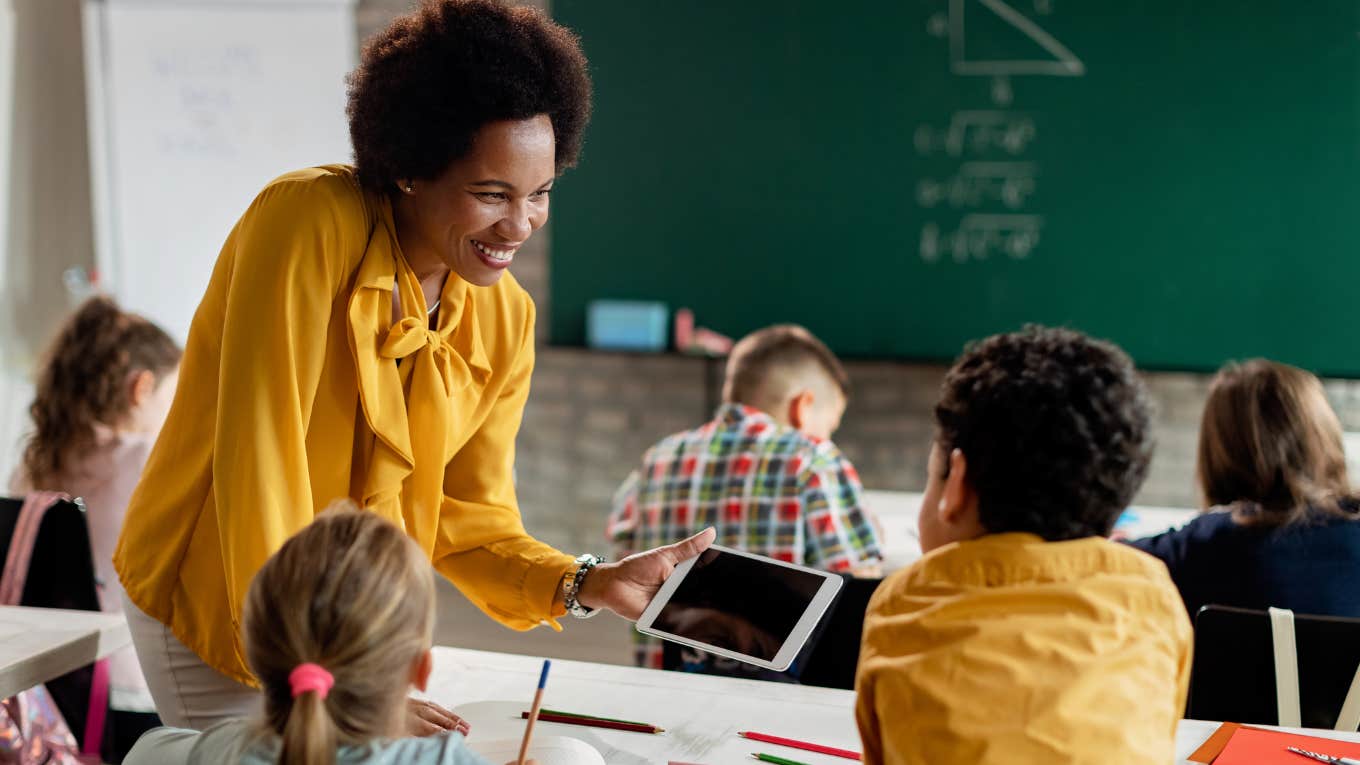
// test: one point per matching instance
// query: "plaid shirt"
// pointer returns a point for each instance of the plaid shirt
(766, 488)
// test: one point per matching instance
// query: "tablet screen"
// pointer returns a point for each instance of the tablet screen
(742, 604)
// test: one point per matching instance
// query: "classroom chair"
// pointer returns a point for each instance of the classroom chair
(1234, 673)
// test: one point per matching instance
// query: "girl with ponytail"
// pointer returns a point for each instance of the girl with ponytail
(337, 627)
(103, 392)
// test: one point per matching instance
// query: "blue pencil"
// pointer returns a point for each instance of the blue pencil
(533, 712)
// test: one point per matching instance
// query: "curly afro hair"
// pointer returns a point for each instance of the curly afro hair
(432, 79)
(1055, 427)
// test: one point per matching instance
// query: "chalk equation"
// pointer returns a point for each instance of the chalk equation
(982, 236)
(977, 132)
(979, 184)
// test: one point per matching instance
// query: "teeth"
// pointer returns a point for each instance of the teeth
(494, 254)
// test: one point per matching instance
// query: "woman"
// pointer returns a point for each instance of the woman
(361, 337)
(1281, 529)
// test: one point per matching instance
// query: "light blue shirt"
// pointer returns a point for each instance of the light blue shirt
(240, 742)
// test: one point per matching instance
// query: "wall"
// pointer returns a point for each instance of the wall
(591, 415)
(48, 212)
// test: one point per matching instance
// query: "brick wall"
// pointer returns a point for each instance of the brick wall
(591, 415)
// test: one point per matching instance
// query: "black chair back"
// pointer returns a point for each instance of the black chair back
(60, 575)
(836, 652)
(1233, 677)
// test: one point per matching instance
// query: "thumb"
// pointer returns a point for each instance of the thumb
(691, 547)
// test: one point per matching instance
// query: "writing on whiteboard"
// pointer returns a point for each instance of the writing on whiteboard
(202, 87)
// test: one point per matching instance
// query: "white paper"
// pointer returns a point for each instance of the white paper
(545, 750)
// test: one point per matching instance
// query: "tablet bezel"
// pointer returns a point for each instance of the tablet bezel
(797, 638)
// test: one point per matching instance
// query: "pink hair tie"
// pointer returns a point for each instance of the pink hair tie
(310, 677)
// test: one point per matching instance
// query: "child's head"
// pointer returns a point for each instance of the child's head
(790, 375)
(352, 595)
(105, 367)
(1269, 439)
(1043, 431)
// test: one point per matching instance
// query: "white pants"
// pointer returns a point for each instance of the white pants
(187, 692)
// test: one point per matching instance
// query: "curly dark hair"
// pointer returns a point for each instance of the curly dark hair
(1055, 426)
(434, 77)
(83, 382)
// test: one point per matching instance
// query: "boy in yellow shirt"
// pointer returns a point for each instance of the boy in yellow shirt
(1023, 635)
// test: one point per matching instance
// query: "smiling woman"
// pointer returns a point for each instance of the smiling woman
(361, 338)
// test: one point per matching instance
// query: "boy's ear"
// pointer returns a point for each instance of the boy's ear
(800, 407)
(421, 671)
(958, 500)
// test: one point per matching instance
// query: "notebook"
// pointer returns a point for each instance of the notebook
(546, 750)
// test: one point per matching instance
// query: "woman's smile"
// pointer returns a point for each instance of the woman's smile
(494, 254)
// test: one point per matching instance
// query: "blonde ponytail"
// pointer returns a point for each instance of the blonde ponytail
(308, 734)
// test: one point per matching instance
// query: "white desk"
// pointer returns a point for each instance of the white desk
(701, 714)
(897, 512)
(40, 644)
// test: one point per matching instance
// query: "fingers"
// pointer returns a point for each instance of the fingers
(692, 546)
(419, 727)
(427, 718)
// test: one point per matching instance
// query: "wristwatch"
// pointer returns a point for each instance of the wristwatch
(571, 586)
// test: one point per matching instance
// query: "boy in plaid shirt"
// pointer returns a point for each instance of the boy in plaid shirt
(763, 472)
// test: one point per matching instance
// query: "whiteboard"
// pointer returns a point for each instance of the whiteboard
(193, 106)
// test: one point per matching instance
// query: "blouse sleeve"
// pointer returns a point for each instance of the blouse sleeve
(287, 265)
(482, 546)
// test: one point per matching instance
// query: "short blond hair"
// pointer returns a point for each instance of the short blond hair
(769, 364)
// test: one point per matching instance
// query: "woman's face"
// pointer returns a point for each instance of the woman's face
(476, 216)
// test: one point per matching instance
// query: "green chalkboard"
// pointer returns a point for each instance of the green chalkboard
(1180, 176)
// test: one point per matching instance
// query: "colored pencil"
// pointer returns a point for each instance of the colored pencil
(560, 713)
(596, 723)
(796, 744)
(776, 760)
(532, 714)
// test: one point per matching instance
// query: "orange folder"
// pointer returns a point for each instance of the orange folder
(1257, 746)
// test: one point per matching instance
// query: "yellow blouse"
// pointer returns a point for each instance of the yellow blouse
(1008, 649)
(291, 397)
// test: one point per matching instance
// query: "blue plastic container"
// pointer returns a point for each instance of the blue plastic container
(627, 325)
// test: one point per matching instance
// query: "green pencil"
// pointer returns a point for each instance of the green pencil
(776, 760)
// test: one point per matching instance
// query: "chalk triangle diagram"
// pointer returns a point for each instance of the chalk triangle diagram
(991, 38)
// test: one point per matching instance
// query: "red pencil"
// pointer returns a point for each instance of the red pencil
(796, 744)
(596, 723)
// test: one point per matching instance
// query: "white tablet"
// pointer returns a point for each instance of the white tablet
(740, 605)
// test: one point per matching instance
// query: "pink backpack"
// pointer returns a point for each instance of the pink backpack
(32, 729)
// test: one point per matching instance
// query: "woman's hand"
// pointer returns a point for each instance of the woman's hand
(426, 718)
(626, 587)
